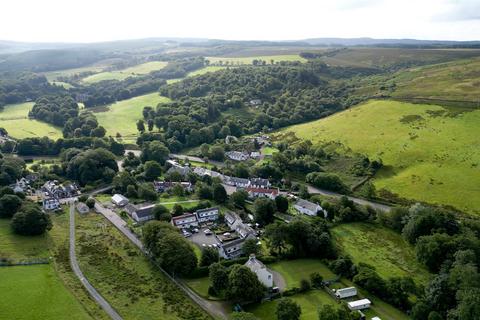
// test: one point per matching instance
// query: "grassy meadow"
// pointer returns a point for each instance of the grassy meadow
(198, 72)
(249, 60)
(140, 69)
(122, 116)
(382, 248)
(430, 153)
(14, 118)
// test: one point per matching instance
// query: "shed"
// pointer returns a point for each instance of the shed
(359, 304)
(346, 292)
(82, 208)
(119, 200)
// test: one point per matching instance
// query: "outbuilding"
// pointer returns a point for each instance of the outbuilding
(359, 304)
(82, 208)
(346, 292)
(119, 200)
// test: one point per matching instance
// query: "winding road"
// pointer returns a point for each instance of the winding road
(76, 269)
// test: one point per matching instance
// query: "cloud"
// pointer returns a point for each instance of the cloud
(460, 10)
(357, 4)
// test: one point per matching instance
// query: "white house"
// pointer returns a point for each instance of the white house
(186, 220)
(346, 292)
(206, 215)
(309, 208)
(257, 267)
(255, 155)
(236, 155)
(261, 192)
(236, 182)
(119, 200)
(259, 183)
(51, 204)
(359, 304)
(143, 214)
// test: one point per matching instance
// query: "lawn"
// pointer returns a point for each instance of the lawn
(134, 71)
(123, 275)
(293, 271)
(198, 72)
(249, 60)
(199, 285)
(427, 150)
(35, 292)
(14, 118)
(269, 151)
(18, 247)
(382, 248)
(122, 116)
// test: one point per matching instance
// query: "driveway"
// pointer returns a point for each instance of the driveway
(278, 280)
(201, 238)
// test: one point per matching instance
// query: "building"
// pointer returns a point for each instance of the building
(237, 155)
(176, 167)
(163, 186)
(259, 183)
(346, 292)
(207, 172)
(52, 189)
(50, 204)
(255, 102)
(82, 208)
(119, 200)
(142, 214)
(359, 304)
(376, 318)
(236, 182)
(261, 192)
(232, 249)
(255, 155)
(309, 208)
(207, 215)
(257, 267)
(186, 220)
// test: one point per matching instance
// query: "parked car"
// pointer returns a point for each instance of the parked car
(195, 230)
(207, 232)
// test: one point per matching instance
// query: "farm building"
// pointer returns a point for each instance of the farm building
(119, 200)
(257, 267)
(346, 292)
(308, 208)
(359, 304)
(82, 208)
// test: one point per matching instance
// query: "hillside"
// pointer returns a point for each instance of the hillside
(430, 153)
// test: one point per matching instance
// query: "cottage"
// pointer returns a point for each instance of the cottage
(82, 208)
(236, 155)
(309, 208)
(235, 223)
(186, 220)
(163, 186)
(236, 182)
(52, 189)
(143, 214)
(257, 267)
(346, 292)
(207, 215)
(233, 249)
(359, 304)
(119, 200)
(259, 183)
(255, 155)
(207, 172)
(261, 192)
(50, 204)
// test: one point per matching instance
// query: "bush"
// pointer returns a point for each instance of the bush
(305, 285)
(316, 280)
(30, 221)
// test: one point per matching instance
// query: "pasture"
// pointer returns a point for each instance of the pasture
(14, 118)
(133, 71)
(197, 72)
(430, 153)
(380, 247)
(294, 271)
(121, 117)
(232, 61)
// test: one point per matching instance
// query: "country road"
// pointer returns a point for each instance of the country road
(215, 309)
(76, 269)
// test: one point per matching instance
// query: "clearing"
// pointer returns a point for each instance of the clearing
(249, 60)
(382, 248)
(122, 116)
(14, 118)
(134, 71)
(197, 73)
(430, 153)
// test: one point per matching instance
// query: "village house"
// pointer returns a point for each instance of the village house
(237, 155)
(140, 214)
(255, 155)
(207, 215)
(119, 200)
(50, 204)
(207, 172)
(233, 248)
(163, 186)
(52, 189)
(186, 220)
(176, 167)
(261, 192)
(236, 182)
(309, 208)
(257, 267)
(259, 183)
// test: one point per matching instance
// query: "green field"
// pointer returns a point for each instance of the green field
(382, 248)
(429, 153)
(122, 116)
(197, 73)
(54, 75)
(293, 271)
(35, 292)
(199, 285)
(14, 118)
(248, 60)
(140, 69)
(17, 247)
(62, 84)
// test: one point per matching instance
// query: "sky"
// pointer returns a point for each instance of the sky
(106, 20)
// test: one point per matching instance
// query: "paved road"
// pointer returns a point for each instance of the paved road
(76, 269)
(215, 309)
(363, 202)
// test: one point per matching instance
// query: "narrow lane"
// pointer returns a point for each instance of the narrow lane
(76, 269)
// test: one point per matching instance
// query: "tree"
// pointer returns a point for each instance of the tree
(205, 150)
(150, 124)
(239, 197)
(141, 126)
(152, 170)
(92, 166)
(264, 210)
(161, 213)
(177, 210)
(176, 255)
(209, 256)
(90, 203)
(146, 191)
(153, 232)
(327, 181)
(243, 316)
(420, 311)
(316, 280)
(276, 235)
(250, 246)
(30, 220)
(282, 204)
(219, 193)
(243, 285)
(156, 151)
(287, 309)
(468, 307)
(9, 205)
(178, 190)
(204, 191)
(327, 312)
(305, 285)
(131, 192)
(217, 153)
(218, 275)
